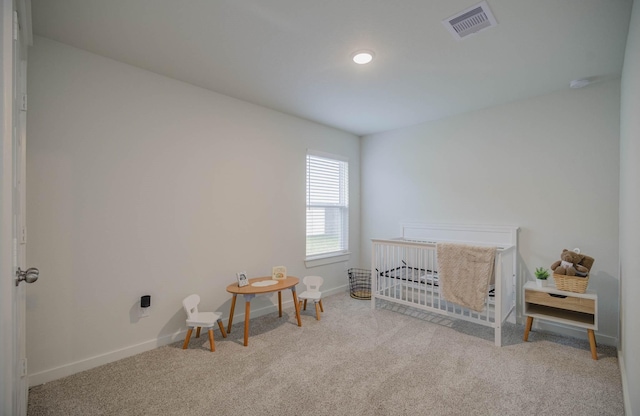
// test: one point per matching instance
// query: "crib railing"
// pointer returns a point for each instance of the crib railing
(406, 272)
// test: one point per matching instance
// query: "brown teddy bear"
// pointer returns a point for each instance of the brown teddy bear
(572, 263)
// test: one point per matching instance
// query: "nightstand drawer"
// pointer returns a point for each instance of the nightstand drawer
(570, 303)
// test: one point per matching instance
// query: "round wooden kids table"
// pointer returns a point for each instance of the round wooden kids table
(249, 292)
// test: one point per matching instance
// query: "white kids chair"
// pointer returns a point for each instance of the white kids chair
(199, 320)
(313, 293)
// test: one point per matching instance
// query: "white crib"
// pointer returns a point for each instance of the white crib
(405, 271)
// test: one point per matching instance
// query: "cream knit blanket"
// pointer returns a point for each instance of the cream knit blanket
(464, 273)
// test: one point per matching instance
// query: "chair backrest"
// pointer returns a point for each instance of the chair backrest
(313, 283)
(190, 304)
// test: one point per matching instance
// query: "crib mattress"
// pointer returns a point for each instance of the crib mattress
(410, 274)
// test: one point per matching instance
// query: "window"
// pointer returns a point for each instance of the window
(327, 205)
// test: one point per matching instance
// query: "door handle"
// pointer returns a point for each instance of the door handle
(30, 275)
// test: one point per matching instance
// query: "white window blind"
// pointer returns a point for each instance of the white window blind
(327, 204)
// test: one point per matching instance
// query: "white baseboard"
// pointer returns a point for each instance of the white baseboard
(339, 289)
(573, 331)
(625, 386)
(98, 360)
(111, 356)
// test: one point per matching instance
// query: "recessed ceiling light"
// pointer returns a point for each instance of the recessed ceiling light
(363, 57)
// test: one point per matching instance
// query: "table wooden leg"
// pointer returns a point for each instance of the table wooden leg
(233, 308)
(280, 303)
(247, 312)
(295, 303)
(527, 328)
(592, 343)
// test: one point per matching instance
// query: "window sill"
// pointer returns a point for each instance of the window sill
(326, 259)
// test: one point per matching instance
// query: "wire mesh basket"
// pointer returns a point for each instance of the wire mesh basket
(359, 283)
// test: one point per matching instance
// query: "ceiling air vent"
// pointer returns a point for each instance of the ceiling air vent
(470, 21)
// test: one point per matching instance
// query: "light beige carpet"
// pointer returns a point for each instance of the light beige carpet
(355, 361)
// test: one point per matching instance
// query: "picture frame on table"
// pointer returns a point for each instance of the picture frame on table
(242, 279)
(279, 273)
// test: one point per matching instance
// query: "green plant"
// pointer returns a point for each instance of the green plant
(541, 273)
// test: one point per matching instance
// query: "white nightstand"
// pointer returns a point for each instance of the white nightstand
(551, 304)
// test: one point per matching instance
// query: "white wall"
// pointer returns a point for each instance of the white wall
(629, 220)
(548, 164)
(140, 184)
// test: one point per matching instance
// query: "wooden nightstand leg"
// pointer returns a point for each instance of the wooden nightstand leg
(527, 328)
(592, 343)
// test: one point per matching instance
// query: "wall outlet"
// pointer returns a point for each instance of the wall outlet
(144, 312)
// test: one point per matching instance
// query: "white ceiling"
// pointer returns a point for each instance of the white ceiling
(294, 55)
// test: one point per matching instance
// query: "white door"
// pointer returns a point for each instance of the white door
(14, 391)
(20, 227)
